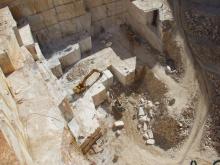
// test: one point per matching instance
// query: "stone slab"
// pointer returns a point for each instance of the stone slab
(84, 126)
(70, 56)
(25, 35)
(107, 78)
(124, 73)
(98, 93)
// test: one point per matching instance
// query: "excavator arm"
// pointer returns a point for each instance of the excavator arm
(81, 87)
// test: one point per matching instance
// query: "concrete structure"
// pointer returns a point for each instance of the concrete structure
(70, 56)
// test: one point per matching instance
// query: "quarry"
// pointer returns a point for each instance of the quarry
(103, 82)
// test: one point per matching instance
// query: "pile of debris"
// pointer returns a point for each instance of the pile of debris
(145, 114)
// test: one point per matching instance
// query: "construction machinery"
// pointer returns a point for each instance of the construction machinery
(81, 87)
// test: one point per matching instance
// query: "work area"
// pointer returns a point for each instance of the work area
(102, 82)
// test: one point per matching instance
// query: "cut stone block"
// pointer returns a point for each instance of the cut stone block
(98, 93)
(55, 67)
(85, 126)
(150, 134)
(118, 124)
(150, 141)
(35, 50)
(66, 110)
(125, 75)
(85, 44)
(107, 78)
(25, 36)
(70, 56)
(44, 71)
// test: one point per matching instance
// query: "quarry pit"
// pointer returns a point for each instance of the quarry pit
(101, 82)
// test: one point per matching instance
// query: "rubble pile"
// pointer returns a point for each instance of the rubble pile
(144, 116)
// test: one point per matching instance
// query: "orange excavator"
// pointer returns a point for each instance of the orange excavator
(81, 87)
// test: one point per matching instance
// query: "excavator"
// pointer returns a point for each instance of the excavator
(81, 87)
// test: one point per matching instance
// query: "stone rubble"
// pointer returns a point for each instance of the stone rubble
(118, 125)
(143, 125)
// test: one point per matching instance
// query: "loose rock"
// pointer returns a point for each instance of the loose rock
(144, 119)
(150, 141)
(150, 134)
(141, 112)
(118, 125)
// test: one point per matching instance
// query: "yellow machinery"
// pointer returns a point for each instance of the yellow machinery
(81, 87)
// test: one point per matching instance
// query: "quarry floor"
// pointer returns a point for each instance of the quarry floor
(178, 141)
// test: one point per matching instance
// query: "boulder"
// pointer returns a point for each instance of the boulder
(118, 124)
(150, 141)
(141, 112)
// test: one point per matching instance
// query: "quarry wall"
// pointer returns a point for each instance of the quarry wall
(10, 123)
(54, 19)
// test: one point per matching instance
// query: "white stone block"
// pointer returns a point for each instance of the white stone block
(74, 128)
(118, 124)
(98, 93)
(107, 78)
(150, 134)
(55, 67)
(70, 56)
(45, 72)
(124, 74)
(26, 37)
(145, 127)
(143, 119)
(85, 44)
(145, 136)
(85, 126)
(141, 112)
(150, 141)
